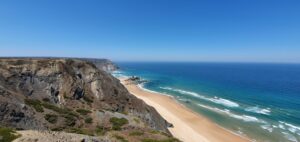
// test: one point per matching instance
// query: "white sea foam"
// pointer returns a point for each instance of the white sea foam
(119, 74)
(267, 127)
(256, 109)
(181, 91)
(289, 136)
(224, 102)
(141, 86)
(281, 126)
(290, 127)
(243, 117)
(217, 100)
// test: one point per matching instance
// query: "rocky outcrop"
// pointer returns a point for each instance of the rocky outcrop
(102, 64)
(68, 94)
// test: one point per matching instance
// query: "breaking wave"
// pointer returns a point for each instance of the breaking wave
(256, 109)
(243, 117)
(267, 127)
(119, 74)
(290, 127)
(290, 137)
(217, 100)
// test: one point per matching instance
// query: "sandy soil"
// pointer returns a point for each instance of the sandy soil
(51, 136)
(188, 126)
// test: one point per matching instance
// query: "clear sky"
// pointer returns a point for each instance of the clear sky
(153, 30)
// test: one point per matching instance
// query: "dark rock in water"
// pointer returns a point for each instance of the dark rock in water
(137, 80)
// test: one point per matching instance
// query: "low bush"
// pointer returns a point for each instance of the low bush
(100, 130)
(59, 110)
(155, 132)
(136, 133)
(88, 120)
(8, 135)
(118, 122)
(80, 131)
(69, 120)
(120, 138)
(83, 111)
(52, 118)
(36, 104)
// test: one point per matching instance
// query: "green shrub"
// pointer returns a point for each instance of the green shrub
(136, 133)
(36, 104)
(59, 110)
(83, 111)
(120, 138)
(52, 118)
(8, 135)
(100, 130)
(155, 132)
(69, 120)
(52, 107)
(118, 122)
(80, 131)
(88, 120)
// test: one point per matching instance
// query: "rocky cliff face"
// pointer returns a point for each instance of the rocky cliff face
(102, 64)
(69, 95)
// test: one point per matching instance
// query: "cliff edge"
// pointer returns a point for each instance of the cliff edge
(74, 96)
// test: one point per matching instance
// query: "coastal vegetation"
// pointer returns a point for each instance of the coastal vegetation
(136, 133)
(8, 135)
(83, 111)
(52, 118)
(118, 122)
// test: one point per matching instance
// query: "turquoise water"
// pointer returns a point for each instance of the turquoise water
(260, 101)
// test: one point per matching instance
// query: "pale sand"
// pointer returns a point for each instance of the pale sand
(188, 126)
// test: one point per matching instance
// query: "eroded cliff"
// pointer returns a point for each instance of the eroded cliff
(71, 95)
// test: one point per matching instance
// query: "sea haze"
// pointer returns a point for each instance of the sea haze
(261, 101)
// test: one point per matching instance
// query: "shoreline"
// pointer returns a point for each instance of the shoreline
(188, 125)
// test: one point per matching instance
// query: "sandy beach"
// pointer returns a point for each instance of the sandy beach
(188, 126)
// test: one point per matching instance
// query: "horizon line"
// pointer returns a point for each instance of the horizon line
(157, 61)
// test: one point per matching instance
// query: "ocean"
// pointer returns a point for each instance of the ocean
(257, 100)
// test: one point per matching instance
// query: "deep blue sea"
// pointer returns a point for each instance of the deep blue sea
(260, 101)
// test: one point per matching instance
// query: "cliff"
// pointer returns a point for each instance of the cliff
(102, 64)
(75, 96)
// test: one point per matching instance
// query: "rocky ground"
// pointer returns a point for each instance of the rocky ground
(52, 136)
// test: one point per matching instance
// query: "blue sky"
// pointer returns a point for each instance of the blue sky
(153, 30)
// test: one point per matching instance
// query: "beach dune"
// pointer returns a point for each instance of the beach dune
(188, 126)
